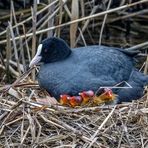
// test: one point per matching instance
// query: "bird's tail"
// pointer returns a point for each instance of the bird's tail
(146, 79)
(139, 77)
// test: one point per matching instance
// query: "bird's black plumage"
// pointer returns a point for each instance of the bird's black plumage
(137, 80)
(70, 71)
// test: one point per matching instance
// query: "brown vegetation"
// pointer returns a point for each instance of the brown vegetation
(25, 122)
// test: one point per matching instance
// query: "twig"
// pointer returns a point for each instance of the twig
(137, 47)
(100, 127)
(8, 52)
(15, 48)
(34, 11)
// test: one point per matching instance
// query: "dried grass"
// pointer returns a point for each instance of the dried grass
(26, 123)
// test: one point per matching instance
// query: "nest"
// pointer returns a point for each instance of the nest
(27, 123)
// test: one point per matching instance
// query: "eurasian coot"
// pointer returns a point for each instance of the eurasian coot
(70, 71)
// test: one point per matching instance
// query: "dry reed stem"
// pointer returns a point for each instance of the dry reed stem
(103, 24)
(28, 19)
(74, 26)
(15, 48)
(17, 30)
(8, 52)
(34, 20)
(87, 22)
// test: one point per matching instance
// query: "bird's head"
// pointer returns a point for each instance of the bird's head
(104, 95)
(64, 99)
(75, 101)
(105, 92)
(51, 50)
(108, 93)
(86, 94)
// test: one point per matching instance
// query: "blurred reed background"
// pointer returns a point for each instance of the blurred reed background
(23, 24)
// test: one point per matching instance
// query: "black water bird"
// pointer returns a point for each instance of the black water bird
(70, 71)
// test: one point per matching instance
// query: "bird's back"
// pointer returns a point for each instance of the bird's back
(86, 68)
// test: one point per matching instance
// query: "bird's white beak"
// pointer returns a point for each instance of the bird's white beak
(37, 58)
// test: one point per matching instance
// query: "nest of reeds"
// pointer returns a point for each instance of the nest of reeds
(28, 122)
(25, 120)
